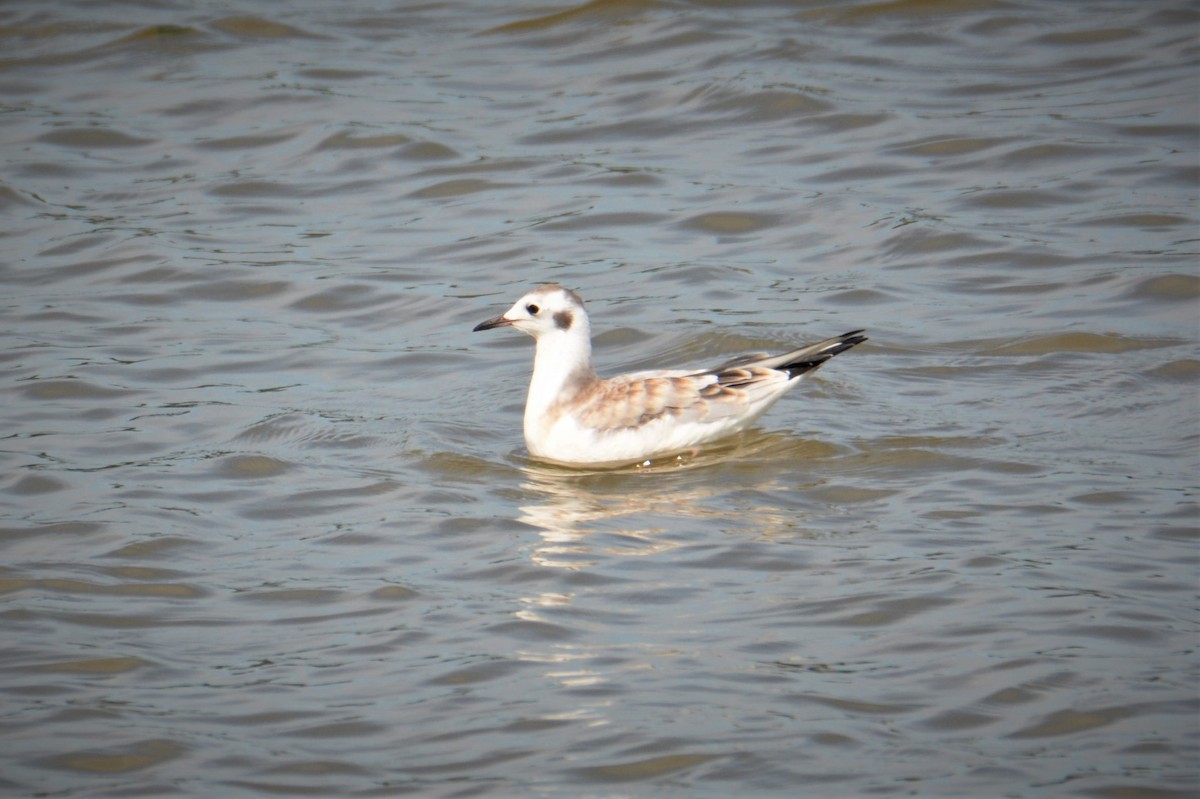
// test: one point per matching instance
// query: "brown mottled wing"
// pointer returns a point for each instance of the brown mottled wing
(633, 400)
(624, 402)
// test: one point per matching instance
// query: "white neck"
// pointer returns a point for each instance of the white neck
(563, 364)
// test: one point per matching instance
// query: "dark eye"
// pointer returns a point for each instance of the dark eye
(533, 309)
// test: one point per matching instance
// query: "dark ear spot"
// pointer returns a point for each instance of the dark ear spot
(564, 320)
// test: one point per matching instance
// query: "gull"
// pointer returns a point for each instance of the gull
(575, 418)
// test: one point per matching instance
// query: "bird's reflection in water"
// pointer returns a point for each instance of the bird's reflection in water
(604, 531)
(570, 508)
(651, 508)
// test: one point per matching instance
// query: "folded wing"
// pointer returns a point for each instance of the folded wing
(728, 390)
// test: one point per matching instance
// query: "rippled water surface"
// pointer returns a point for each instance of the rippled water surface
(269, 528)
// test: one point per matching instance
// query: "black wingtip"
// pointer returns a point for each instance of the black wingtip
(843, 343)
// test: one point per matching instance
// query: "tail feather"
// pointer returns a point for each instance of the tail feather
(814, 356)
(795, 363)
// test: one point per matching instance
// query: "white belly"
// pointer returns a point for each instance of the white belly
(565, 441)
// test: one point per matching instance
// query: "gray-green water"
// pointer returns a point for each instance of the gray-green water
(268, 525)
